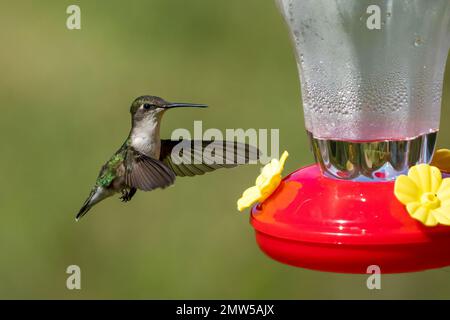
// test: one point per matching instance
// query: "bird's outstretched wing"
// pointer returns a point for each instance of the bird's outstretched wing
(146, 173)
(196, 157)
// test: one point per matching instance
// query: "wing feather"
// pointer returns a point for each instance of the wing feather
(146, 173)
(193, 157)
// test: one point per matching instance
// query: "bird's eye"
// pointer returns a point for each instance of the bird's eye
(146, 106)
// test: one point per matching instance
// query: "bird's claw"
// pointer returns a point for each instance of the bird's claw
(125, 196)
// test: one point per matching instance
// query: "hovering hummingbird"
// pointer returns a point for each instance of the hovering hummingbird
(145, 162)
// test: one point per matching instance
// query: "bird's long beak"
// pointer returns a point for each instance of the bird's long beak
(184, 105)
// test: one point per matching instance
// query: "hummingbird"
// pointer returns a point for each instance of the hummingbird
(146, 162)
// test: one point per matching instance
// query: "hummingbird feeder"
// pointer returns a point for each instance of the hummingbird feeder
(371, 76)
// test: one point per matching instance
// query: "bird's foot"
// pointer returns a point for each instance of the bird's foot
(125, 197)
(127, 194)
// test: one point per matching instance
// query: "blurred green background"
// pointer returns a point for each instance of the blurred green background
(64, 99)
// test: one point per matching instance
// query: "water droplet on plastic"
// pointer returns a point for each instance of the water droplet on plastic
(418, 41)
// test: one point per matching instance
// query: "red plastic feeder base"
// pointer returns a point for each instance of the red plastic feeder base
(319, 223)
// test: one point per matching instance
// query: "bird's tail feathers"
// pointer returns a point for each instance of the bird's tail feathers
(97, 194)
(84, 209)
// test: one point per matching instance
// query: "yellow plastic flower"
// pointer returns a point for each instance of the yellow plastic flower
(265, 185)
(441, 159)
(425, 194)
